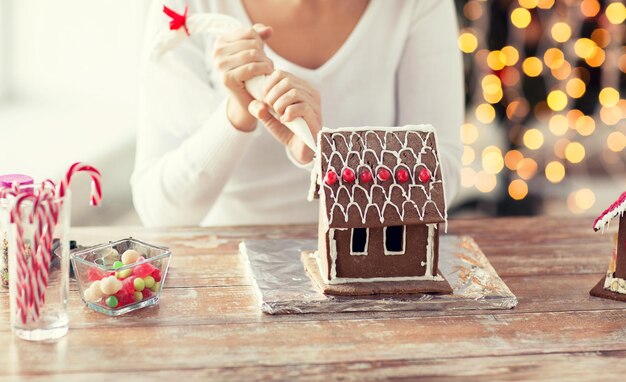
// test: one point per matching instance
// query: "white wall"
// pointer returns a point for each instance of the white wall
(75, 85)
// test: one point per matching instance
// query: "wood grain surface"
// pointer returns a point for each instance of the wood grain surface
(207, 325)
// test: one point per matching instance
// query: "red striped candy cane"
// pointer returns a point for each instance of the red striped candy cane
(96, 179)
(46, 215)
(24, 294)
(42, 248)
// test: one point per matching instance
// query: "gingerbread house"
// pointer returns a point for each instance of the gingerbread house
(381, 205)
(613, 285)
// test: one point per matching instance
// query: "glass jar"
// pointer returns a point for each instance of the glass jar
(39, 268)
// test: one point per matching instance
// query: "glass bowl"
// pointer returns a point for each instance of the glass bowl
(121, 276)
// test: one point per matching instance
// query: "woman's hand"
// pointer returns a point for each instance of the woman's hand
(239, 56)
(289, 97)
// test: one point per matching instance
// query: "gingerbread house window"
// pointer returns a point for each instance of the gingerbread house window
(360, 237)
(395, 239)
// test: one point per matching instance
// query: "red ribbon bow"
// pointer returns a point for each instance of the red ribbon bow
(178, 20)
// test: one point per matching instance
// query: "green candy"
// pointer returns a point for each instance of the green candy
(117, 264)
(124, 274)
(149, 282)
(138, 296)
(111, 301)
(155, 287)
(139, 284)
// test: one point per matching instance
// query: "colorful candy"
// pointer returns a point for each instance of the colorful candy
(110, 285)
(143, 270)
(139, 284)
(125, 285)
(130, 256)
(112, 301)
(155, 287)
(149, 282)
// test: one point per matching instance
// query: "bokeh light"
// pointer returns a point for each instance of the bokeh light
(533, 139)
(485, 113)
(520, 17)
(518, 189)
(469, 133)
(532, 66)
(512, 159)
(555, 172)
(527, 168)
(616, 141)
(492, 160)
(467, 42)
(585, 48)
(608, 97)
(558, 124)
(485, 182)
(590, 8)
(554, 58)
(585, 125)
(561, 32)
(557, 100)
(575, 88)
(473, 10)
(585, 199)
(575, 152)
(616, 13)
(511, 55)
(496, 60)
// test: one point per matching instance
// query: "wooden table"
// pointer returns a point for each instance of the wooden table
(208, 326)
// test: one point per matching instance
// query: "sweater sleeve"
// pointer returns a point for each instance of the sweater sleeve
(186, 146)
(430, 83)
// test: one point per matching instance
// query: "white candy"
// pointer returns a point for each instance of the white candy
(96, 292)
(130, 256)
(110, 285)
(89, 295)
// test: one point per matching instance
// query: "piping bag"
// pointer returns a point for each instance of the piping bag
(183, 26)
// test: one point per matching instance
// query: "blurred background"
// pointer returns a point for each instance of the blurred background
(545, 129)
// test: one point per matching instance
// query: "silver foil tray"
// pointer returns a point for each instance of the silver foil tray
(283, 287)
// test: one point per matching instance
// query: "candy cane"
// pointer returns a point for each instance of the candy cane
(96, 187)
(24, 293)
(182, 26)
(46, 222)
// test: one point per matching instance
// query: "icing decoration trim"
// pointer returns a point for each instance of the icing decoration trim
(617, 208)
(367, 242)
(394, 253)
(178, 21)
(357, 146)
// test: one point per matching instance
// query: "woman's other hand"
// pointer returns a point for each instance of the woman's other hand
(289, 97)
(239, 56)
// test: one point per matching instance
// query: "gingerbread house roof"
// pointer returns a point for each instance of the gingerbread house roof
(379, 176)
(617, 208)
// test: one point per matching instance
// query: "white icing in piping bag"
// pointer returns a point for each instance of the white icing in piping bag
(183, 26)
